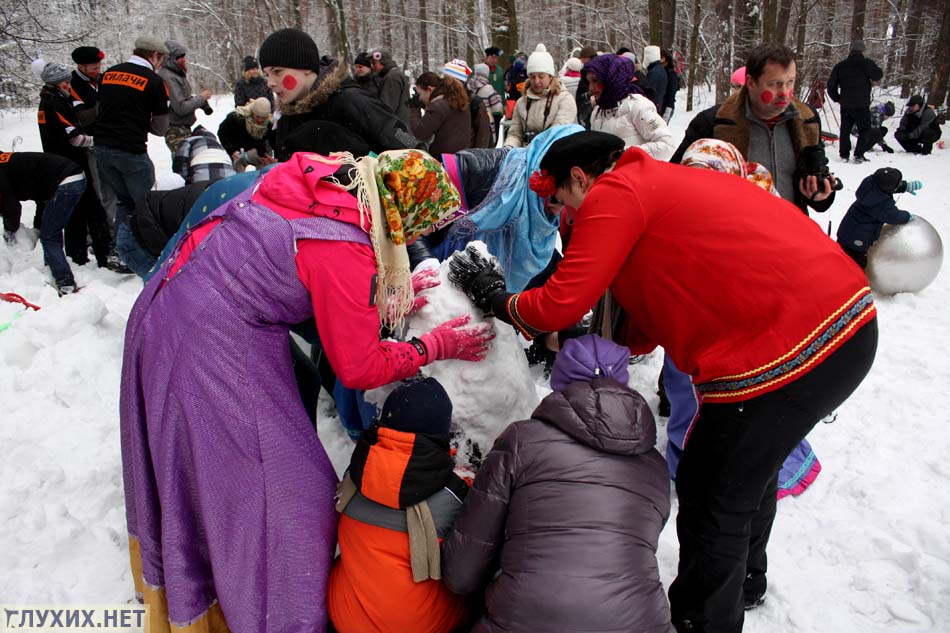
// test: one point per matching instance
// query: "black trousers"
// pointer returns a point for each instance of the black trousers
(850, 117)
(89, 218)
(727, 484)
(923, 144)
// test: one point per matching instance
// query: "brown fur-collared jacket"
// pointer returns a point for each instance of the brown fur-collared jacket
(730, 122)
(337, 98)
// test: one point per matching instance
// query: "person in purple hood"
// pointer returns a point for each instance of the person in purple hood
(563, 520)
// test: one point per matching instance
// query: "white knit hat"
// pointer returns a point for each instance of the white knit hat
(457, 69)
(575, 64)
(540, 61)
(651, 54)
(482, 69)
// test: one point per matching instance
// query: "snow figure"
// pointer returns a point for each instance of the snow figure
(486, 396)
(906, 258)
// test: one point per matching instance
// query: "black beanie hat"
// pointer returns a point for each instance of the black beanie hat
(249, 62)
(418, 406)
(363, 59)
(887, 179)
(916, 100)
(290, 48)
(578, 150)
(889, 108)
(87, 55)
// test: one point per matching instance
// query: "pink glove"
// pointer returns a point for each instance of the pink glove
(423, 280)
(453, 340)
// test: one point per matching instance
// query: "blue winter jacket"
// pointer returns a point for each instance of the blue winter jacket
(873, 208)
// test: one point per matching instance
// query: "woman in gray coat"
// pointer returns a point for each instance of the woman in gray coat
(564, 517)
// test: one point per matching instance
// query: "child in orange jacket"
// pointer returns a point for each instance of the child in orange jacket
(397, 500)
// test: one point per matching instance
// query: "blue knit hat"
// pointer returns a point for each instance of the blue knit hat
(418, 406)
(587, 357)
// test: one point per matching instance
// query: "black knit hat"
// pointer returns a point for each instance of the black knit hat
(494, 50)
(363, 59)
(887, 179)
(323, 137)
(578, 150)
(249, 62)
(916, 100)
(290, 48)
(418, 406)
(87, 55)
(889, 108)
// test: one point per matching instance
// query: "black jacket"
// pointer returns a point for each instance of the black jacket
(861, 225)
(672, 86)
(913, 124)
(249, 89)
(58, 124)
(656, 81)
(850, 81)
(234, 136)
(338, 99)
(157, 218)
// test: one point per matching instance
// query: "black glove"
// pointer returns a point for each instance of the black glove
(479, 277)
(207, 109)
(888, 149)
(415, 102)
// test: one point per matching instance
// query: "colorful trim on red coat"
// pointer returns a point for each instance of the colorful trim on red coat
(820, 342)
(511, 307)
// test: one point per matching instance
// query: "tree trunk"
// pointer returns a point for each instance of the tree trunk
(424, 33)
(938, 91)
(693, 60)
(857, 19)
(781, 26)
(724, 61)
(769, 10)
(800, 34)
(910, 53)
(668, 24)
(656, 34)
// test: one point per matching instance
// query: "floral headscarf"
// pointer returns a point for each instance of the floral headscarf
(402, 194)
(416, 195)
(710, 153)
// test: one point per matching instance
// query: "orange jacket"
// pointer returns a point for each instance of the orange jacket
(371, 585)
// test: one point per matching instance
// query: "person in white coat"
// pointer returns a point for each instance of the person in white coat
(544, 104)
(621, 108)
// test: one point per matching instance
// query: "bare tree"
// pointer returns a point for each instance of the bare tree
(938, 89)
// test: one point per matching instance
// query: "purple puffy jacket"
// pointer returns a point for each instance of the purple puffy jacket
(564, 517)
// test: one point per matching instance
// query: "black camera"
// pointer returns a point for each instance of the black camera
(527, 137)
(815, 163)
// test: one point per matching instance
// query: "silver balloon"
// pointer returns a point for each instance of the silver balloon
(906, 258)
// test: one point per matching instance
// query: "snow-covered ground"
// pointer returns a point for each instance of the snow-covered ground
(866, 548)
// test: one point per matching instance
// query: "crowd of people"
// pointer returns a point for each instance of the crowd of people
(309, 210)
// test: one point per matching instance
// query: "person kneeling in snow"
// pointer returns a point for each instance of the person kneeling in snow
(397, 501)
(873, 208)
(572, 503)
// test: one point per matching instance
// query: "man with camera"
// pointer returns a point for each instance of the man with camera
(773, 128)
(182, 102)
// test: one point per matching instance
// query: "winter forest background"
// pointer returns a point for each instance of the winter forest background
(910, 39)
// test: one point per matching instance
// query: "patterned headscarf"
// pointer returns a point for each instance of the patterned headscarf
(617, 74)
(711, 153)
(402, 194)
(416, 195)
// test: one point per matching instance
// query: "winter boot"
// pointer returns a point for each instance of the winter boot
(67, 288)
(753, 590)
(114, 264)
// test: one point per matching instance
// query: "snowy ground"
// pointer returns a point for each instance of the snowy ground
(866, 548)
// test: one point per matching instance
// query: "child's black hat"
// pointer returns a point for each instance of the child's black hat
(418, 406)
(888, 179)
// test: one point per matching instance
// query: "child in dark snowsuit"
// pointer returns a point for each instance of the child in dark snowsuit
(568, 508)
(398, 499)
(873, 208)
